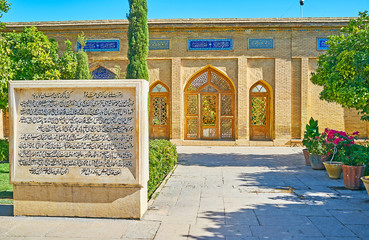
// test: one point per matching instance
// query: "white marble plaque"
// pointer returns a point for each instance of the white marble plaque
(78, 132)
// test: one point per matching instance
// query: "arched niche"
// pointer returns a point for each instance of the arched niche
(102, 73)
(260, 111)
(209, 105)
(159, 116)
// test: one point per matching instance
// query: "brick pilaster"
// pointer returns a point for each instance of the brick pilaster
(177, 101)
(283, 87)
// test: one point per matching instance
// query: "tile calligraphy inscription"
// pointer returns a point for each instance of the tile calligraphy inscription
(80, 133)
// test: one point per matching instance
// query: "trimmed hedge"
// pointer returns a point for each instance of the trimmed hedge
(163, 157)
(4, 150)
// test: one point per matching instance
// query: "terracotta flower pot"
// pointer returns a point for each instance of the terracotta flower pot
(334, 169)
(307, 156)
(366, 183)
(316, 161)
(352, 175)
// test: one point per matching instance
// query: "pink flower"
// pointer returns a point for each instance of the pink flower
(336, 141)
(355, 133)
(351, 137)
(343, 134)
(332, 131)
(326, 130)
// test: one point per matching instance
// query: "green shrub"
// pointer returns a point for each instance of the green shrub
(82, 71)
(163, 157)
(4, 150)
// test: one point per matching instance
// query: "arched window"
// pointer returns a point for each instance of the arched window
(102, 73)
(159, 111)
(260, 107)
(209, 106)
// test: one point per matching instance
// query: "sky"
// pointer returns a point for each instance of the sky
(63, 10)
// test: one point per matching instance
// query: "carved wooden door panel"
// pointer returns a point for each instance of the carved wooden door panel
(159, 112)
(209, 106)
(259, 115)
(209, 116)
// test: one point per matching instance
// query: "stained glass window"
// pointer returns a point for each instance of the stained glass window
(159, 108)
(258, 106)
(209, 106)
(159, 88)
(259, 88)
(209, 88)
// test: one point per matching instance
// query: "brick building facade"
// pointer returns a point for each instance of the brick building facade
(237, 81)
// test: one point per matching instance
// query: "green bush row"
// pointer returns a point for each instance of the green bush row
(4, 150)
(163, 157)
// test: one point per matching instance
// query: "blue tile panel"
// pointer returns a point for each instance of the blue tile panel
(102, 73)
(210, 44)
(322, 44)
(159, 44)
(100, 46)
(260, 43)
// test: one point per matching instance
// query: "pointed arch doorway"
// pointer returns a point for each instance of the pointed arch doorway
(209, 106)
(159, 116)
(260, 108)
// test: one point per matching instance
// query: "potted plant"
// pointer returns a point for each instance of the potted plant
(310, 134)
(366, 179)
(335, 142)
(353, 160)
(318, 152)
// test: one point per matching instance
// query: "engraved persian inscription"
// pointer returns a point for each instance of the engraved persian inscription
(76, 134)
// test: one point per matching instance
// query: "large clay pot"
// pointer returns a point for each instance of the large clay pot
(307, 156)
(366, 183)
(352, 175)
(334, 169)
(316, 161)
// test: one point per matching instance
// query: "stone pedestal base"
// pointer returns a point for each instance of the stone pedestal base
(80, 201)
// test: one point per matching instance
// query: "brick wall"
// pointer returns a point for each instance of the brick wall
(286, 67)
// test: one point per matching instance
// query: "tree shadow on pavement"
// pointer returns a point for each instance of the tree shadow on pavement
(279, 198)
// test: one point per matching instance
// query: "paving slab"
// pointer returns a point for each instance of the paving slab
(361, 230)
(172, 231)
(350, 216)
(30, 227)
(331, 227)
(230, 193)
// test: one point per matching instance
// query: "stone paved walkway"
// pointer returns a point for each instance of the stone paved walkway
(225, 193)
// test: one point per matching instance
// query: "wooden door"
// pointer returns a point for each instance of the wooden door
(159, 112)
(209, 116)
(259, 114)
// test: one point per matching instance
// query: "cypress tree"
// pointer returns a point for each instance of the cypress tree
(138, 40)
(83, 71)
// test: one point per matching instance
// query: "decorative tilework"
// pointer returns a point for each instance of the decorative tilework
(210, 44)
(159, 44)
(260, 43)
(100, 46)
(322, 44)
(102, 73)
(203, 31)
